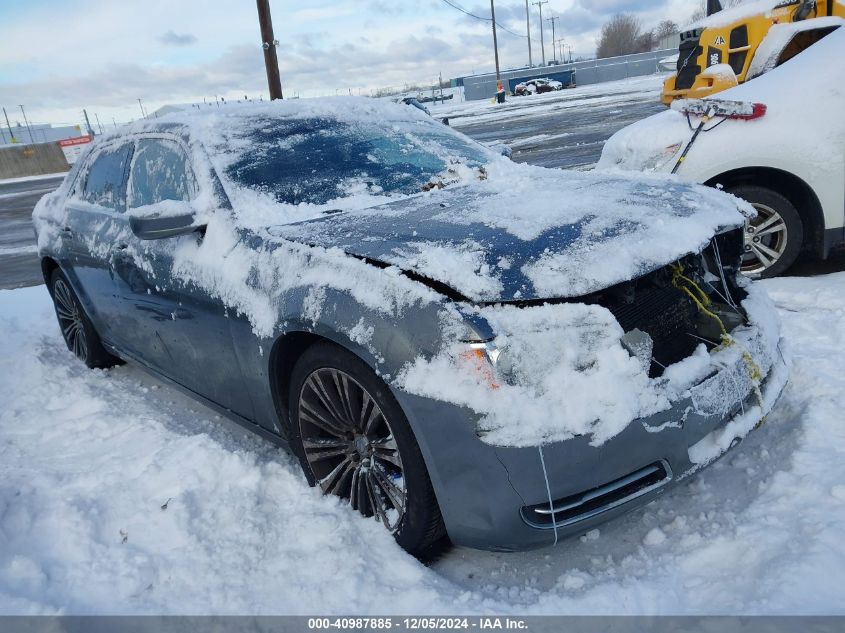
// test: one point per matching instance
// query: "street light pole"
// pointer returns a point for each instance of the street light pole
(28, 129)
(141, 105)
(528, 33)
(12, 134)
(269, 43)
(495, 41)
(539, 4)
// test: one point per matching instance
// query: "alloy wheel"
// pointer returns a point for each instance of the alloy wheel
(350, 446)
(70, 320)
(765, 240)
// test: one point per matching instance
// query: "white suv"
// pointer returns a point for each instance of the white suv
(787, 159)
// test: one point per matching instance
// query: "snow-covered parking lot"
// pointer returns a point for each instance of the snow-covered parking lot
(120, 495)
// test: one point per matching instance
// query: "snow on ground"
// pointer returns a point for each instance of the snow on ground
(120, 495)
(484, 110)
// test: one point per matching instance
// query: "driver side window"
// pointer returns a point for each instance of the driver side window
(160, 171)
(105, 182)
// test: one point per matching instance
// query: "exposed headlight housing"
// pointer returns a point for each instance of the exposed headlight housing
(481, 353)
(659, 160)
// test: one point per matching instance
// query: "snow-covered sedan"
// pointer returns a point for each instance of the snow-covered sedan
(355, 281)
(537, 86)
(777, 141)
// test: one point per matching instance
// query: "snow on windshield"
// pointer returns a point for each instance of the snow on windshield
(287, 163)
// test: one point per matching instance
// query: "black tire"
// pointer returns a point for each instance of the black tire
(80, 336)
(419, 527)
(767, 201)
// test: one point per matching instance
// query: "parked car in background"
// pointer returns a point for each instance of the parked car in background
(777, 141)
(537, 86)
(355, 282)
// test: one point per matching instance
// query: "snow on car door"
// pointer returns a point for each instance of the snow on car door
(176, 328)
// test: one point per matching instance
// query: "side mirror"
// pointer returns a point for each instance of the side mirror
(169, 218)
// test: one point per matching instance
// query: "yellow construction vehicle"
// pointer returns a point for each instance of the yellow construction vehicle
(716, 53)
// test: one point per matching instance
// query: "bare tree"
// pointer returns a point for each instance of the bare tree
(622, 35)
(665, 29)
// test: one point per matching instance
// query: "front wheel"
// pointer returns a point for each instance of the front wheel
(773, 239)
(354, 442)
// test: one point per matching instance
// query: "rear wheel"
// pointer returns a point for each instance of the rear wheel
(773, 239)
(77, 330)
(355, 442)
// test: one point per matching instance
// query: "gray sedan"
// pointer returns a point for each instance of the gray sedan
(360, 284)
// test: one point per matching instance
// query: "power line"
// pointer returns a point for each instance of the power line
(479, 17)
(462, 10)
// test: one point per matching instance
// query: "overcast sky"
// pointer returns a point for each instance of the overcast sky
(59, 56)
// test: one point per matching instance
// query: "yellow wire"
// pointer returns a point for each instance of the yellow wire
(701, 300)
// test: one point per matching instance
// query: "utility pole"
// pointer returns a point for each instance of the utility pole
(570, 53)
(28, 129)
(99, 125)
(12, 134)
(495, 41)
(140, 105)
(269, 44)
(553, 20)
(539, 4)
(528, 33)
(559, 43)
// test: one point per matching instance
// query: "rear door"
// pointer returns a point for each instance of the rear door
(172, 324)
(95, 210)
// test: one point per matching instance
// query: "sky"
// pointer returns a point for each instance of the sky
(60, 56)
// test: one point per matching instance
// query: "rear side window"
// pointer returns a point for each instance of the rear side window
(160, 171)
(105, 184)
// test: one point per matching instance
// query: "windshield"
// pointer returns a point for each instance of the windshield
(320, 159)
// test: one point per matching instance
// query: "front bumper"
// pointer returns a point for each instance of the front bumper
(499, 497)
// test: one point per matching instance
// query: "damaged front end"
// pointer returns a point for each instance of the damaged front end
(667, 314)
(709, 341)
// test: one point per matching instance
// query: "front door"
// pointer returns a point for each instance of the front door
(171, 324)
(95, 214)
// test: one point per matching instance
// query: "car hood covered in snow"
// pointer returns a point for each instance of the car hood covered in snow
(542, 234)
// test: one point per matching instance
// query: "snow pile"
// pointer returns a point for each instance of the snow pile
(122, 496)
(723, 72)
(161, 510)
